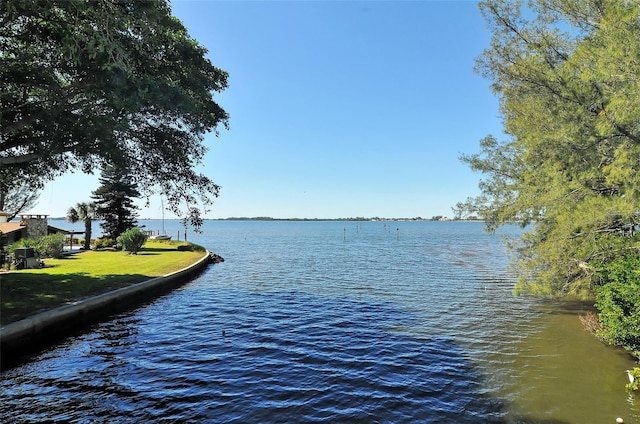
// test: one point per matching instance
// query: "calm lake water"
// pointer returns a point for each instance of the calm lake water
(341, 322)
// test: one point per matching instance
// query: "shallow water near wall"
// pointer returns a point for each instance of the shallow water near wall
(333, 322)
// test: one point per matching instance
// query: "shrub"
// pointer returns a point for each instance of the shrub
(25, 242)
(50, 246)
(103, 243)
(132, 240)
(618, 300)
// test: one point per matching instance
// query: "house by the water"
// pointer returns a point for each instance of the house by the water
(29, 226)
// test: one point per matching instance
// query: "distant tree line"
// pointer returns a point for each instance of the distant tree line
(359, 218)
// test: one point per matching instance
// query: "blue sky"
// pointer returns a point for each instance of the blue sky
(337, 108)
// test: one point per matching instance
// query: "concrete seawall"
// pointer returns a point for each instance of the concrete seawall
(35, 332)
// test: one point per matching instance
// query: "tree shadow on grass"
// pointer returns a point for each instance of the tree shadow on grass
(160, 250)
(25, 294)
(124, 252)
(24, 297)
(64, 258)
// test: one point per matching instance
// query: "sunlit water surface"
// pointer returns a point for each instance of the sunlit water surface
(340, 322)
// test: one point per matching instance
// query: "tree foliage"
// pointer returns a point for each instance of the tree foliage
(49, 246)
(618, 300)
(85, 212)
(566, 72)
(17, 196)
(86, 83)
(114, 201)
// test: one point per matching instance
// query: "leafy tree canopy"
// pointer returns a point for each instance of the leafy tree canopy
(87, 83)
(17, 196)
(567, 73)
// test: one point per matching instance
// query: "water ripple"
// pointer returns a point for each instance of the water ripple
(309, 358)
(298, 326)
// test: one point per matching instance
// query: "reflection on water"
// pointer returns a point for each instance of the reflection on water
(333, 322)
(570, 375)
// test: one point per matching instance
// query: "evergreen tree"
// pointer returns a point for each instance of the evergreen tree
(114, 201)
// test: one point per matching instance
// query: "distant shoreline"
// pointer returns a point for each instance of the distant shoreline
(357, 219)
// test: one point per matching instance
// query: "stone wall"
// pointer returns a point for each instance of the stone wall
(36, 225)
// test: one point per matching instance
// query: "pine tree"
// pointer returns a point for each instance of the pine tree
(114, 201)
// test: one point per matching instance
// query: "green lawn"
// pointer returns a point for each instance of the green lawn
(75, 277)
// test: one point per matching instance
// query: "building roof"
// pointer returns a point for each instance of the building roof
(52, 229)
(10, 227)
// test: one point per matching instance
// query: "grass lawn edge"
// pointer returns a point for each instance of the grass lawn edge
(27, 334)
